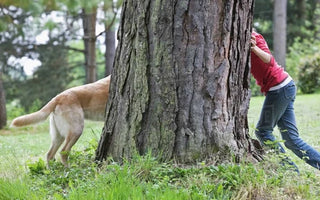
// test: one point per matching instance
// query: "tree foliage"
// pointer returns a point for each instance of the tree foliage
(301, 16)
(309, 76)
(21, 22)
(54, 73)
(17, 42)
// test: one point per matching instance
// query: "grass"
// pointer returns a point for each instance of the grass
(17, 146)
(307, 112)
(23, 174)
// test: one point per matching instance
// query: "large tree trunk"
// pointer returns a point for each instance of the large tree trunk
(110, 43)
(280, 31)
(89, 38)
(3, 113)
(180, 86)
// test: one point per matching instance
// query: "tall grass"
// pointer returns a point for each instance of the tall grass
(23, 174)
(146, 178)
(15, 189)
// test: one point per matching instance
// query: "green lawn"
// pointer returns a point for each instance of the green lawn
(24, 176)
(19, 145)
(307, 111)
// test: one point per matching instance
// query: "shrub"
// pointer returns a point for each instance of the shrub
(302, 63)
(309, 75)
(14, 109)
(254, 87)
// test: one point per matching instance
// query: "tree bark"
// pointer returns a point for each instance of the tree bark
(280, 31)
(180, 86)
(110, 43)
(3, 113)
(89, 38)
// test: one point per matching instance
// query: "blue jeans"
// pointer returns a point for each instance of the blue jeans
(278, 110)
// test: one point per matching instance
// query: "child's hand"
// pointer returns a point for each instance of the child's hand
(253, 41)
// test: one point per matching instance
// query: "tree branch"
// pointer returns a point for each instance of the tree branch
(108, 27)
(73, 49)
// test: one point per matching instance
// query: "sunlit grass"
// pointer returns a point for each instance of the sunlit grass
(307, 112)
(23, 174)
(19, 145)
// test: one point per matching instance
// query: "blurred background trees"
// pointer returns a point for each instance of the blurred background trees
(302, 37)
(280, 31)
(47, 46)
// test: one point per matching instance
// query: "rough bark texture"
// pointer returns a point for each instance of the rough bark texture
(89, 38)
(110, 43)
(280, 31)
(3, 113)
(180, 86)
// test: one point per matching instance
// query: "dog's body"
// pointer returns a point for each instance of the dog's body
(68, 111)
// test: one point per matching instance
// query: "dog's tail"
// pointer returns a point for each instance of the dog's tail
(35, 117)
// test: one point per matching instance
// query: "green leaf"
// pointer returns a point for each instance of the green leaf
(50, 25)
(3, 25)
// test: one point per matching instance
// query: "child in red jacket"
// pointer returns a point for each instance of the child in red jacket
(280, 92)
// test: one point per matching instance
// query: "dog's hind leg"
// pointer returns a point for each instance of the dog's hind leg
(75, 120)
(56, 140)
(70, 141)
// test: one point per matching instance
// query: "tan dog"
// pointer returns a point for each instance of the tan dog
(68, 111)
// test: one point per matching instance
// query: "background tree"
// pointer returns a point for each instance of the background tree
(111, 10)
(180, 86)
(89, 18)
(3, 114)
(316, 19)
(280, 31)
(110, 42)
